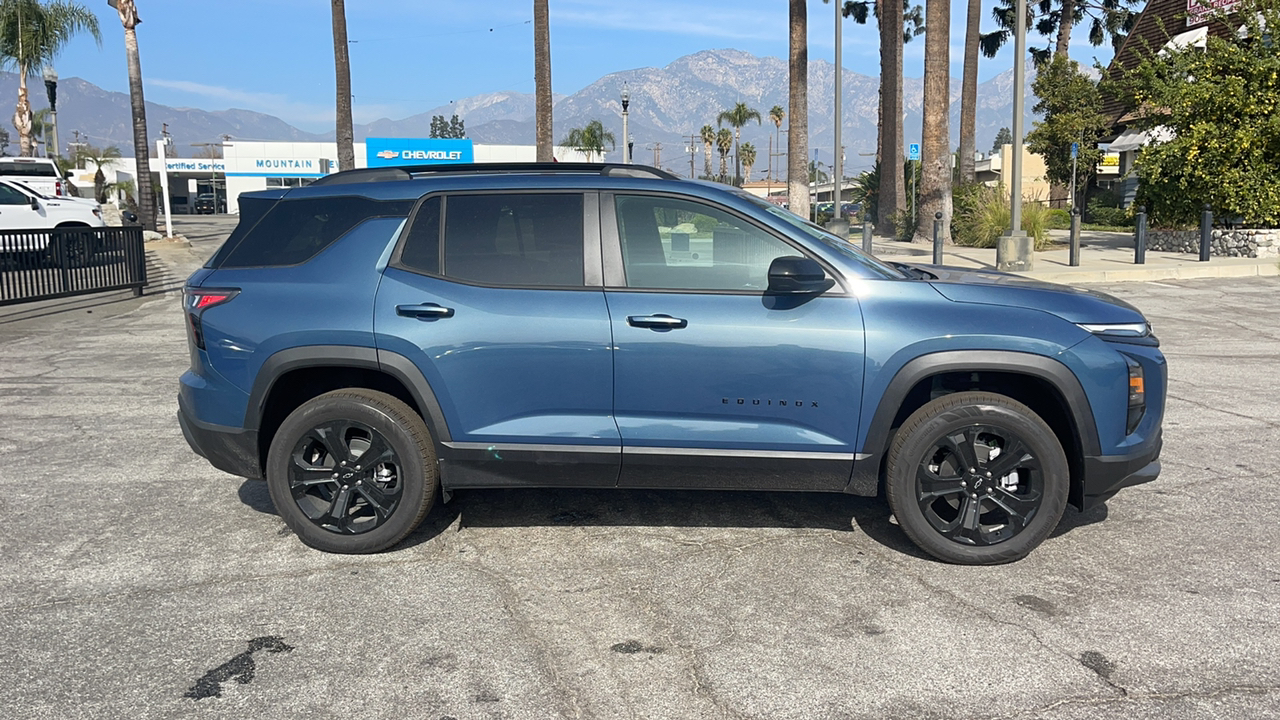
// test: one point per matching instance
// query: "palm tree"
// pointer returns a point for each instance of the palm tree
(1108, 19)
(99, 157)
(708, 134)
(32, 33)
(40, 126)
(590, 139)
(935, 150)
(969, 92)
(748, 154)
(724, 143)
(777, 115)
(737, 117)
(542, 80)
(342, 72)
(798, 100)
(138, 105)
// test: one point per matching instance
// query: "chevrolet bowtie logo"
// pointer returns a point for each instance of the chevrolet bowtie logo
(389, 154)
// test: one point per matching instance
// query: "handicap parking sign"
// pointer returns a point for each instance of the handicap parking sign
(913, 151)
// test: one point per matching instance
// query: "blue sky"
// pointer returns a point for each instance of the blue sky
(409, 56)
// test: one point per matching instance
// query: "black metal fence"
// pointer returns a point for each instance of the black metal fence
(54, 263)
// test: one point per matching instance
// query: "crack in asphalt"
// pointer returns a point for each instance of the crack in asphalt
(1139, 697)
(1271, 424)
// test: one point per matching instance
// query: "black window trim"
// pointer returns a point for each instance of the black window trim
(353, 228)
(591, 247)
(615, 271)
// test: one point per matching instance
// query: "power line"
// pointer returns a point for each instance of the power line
(443, 34)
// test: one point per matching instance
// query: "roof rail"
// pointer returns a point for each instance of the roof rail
(409, 172)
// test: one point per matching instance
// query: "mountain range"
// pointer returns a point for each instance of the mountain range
(667, 104)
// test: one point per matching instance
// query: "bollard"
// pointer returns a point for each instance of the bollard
(937, 238)
(1206, 232)
(1140, 236)
(866, 234)
(1075, 237)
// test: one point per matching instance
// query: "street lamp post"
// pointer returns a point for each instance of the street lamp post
(626, 144)
(51, 87)
(1014, 251)
(837, 166)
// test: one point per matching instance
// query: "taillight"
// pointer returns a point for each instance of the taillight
(1137, 395)
(57, 187)
(200, 299)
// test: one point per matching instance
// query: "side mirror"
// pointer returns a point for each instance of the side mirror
(793, 275)
(35, 203)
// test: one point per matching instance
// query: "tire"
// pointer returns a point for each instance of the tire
(356, 507)
(997, 511)
(72, 250)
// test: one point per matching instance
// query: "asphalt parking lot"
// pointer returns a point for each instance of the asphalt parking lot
(138, 581)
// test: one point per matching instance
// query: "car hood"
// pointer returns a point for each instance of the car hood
(990, 287)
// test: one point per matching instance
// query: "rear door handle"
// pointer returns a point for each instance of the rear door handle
(660, 322)
(425, 311)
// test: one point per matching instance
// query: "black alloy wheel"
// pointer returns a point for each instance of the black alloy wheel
(977, 478)
(979, 485)
(345, 477)
(352, 471)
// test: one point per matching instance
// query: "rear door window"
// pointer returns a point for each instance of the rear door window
(514, 240)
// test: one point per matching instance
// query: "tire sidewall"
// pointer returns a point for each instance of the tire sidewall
(937, 420)
(413, 474)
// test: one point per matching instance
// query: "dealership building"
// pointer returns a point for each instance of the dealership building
(251, 166)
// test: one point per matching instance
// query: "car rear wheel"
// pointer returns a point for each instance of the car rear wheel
(352, 471)
(977, 478)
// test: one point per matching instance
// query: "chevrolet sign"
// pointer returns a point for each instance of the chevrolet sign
(383, 152)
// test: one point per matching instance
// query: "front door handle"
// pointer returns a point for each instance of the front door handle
(425, 311)
(659, 322)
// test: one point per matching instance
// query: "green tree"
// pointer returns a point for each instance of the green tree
(1070, 104)
(129, 20)
(453, 128)
(1108, 19)
(1003, 137)
(748, 154)
(99, 157)
(736, 117)
(816, 174)
(1221, 107)
(708, 135)
(32, 33)
(590, 139)
(4, 143)
(724, 143)
(897, 26)
(777, 115)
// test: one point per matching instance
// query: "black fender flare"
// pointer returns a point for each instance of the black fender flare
(393, 364)
(866, 470)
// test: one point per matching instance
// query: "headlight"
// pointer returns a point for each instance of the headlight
(1119, 330)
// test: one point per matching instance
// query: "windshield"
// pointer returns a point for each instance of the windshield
(831, 240)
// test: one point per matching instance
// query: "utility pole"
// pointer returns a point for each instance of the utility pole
(837, 166)
(213, 179)
(657, 154)
(1014, 250)
(693, 146)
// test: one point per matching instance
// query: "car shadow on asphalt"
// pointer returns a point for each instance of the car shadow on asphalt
(607, 507)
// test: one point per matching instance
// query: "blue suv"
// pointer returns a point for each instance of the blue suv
(384, 334)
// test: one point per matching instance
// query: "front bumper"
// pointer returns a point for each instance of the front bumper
(230, 450)
(1106, 475)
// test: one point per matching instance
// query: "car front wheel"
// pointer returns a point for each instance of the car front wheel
(977, 478)
(352, 471)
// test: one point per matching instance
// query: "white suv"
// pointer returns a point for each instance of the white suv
(22, 208)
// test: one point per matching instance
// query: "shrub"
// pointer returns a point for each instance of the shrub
(904, 227)
(1059, 219)
(1102, 214)
(981, 219)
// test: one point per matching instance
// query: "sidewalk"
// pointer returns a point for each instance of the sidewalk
(1104, 257)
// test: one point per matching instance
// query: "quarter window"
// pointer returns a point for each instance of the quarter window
(519, 239)
(294, 231)
(671, 244)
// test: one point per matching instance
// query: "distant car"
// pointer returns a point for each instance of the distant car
(826, 207)
(21, 208)
(207, 204)
(40, 174)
